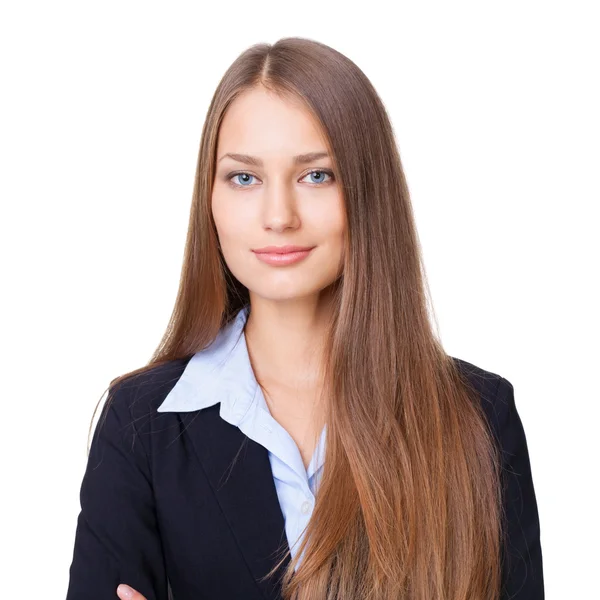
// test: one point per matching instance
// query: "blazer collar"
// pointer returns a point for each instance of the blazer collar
(239, 471)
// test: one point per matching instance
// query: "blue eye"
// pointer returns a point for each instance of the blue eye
(317, 177)
(321, 173)
(238, 175)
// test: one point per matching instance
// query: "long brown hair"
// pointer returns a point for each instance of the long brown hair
(409, 504)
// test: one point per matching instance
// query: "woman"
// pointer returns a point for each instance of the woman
(290, 370)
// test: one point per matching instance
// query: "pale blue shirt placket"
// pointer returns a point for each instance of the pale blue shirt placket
(296, 486)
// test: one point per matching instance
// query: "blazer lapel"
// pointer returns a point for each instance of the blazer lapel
(245, 491)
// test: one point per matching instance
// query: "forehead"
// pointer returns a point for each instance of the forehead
(261, 123)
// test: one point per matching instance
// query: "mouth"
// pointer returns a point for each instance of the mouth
(279, 258)
(282, 249)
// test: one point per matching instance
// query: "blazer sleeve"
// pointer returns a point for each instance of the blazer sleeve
(522, 573)
(117, 538)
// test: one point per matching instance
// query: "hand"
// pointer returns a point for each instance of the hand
(128, 593)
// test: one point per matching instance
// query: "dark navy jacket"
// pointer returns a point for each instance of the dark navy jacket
(163, 511)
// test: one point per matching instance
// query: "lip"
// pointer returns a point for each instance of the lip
(282, 258)
(282, 249)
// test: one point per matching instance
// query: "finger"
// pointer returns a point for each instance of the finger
(126, 592)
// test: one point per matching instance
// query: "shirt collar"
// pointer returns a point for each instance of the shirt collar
(222, 372)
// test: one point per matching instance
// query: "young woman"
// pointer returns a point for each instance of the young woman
(300, 431)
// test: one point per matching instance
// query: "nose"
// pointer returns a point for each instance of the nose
(280, 210)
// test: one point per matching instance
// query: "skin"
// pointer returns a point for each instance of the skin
(280, 203)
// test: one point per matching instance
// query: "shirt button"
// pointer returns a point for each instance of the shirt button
(305, 507)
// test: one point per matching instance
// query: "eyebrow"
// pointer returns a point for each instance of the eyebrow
(300, 159)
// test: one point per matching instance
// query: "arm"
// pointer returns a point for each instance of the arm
(117, 539)
(522, 573)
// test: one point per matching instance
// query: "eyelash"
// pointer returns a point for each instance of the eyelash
(237, 185)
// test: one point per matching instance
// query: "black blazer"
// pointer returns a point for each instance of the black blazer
(162, 511)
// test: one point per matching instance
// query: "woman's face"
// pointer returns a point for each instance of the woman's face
(275, 201)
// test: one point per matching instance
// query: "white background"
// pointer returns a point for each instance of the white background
(496, 111)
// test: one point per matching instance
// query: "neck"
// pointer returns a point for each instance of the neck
(285, 342)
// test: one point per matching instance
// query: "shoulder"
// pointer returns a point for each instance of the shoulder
(495, 393)
(129, 413)
(485, 382)
(137, 397)
(497, 396)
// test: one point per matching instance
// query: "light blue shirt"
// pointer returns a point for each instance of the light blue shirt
(223, 373)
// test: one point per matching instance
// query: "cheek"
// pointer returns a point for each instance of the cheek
(229, 221)
(331, 227)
